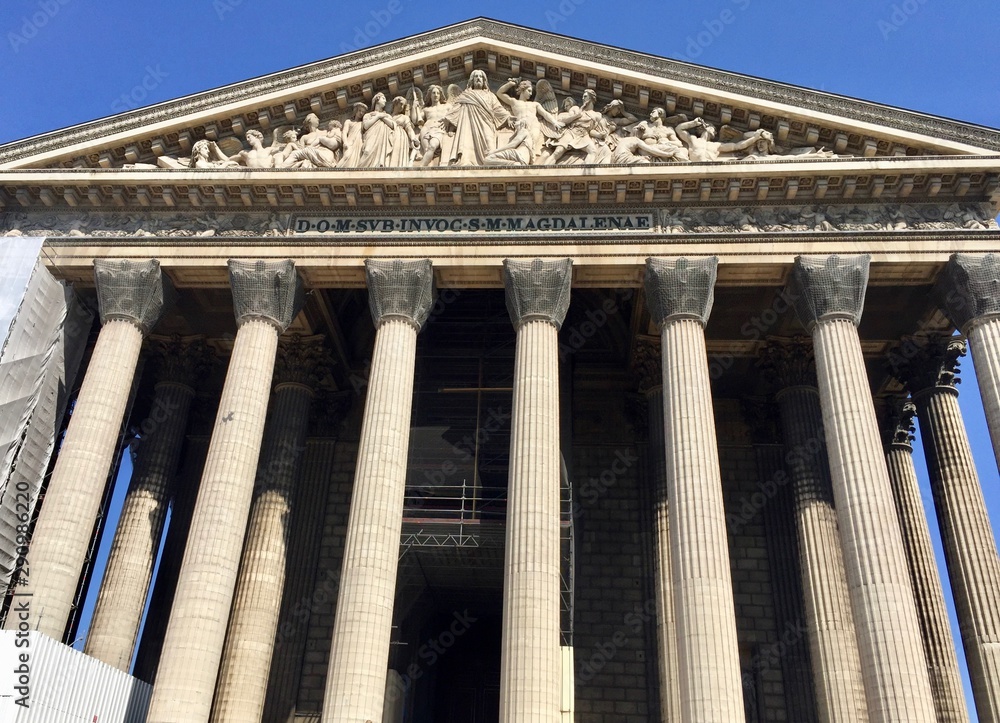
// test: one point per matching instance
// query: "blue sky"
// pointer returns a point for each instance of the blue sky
(64, 62)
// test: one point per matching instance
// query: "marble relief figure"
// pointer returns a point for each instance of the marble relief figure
(532, 112)
(477, 116)
(522, 123)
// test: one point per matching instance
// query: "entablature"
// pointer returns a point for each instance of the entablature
(883, 180)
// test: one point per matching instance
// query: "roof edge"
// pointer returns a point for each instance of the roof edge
(629, 60)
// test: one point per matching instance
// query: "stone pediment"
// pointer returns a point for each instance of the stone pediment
(298, 137)
(782, 121)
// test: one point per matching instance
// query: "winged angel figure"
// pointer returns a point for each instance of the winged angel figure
(530, 111)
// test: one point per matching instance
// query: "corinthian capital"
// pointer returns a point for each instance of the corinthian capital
(829, 287)
(647, 363)
(301, 360)
(184, 360)
(927, 363)
(969, 288)
(269, 290)
(537, 289)
(136, 291)
(790, 362)
(896, 421)
(400, 290)
(680, 288)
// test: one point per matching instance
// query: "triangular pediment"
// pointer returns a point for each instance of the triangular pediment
(795, 118)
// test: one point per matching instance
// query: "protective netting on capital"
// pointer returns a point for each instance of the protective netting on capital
(268, 290)
(537, 289)
(400, 289)
(680, 287)
(969, 287)
(133, 290)
(828, 286)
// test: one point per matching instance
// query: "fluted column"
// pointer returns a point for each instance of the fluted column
(829, 296)
(930, 372)
(246, 659)
(311, 494)
(969, 292)
(530, 668)
(939, 646)
(650, 369)
(154, 629)
(265, 298)
(115, 625)
(680, 293)
(399, 296)
(833, 645)
(131, 296)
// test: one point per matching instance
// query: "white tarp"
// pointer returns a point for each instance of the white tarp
(53, 683)
(38, 364)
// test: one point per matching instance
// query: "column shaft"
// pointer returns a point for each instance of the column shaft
(125, 586)
(530, 680)
(708, 651)
(892, 657)
(192, 649)
(970, 548)
(939, 646)
(840, 693)
(666, 623)
(62, 534)
(984, 339)
(359, 657)
(296, 607)
(246, 659)
(147, 657)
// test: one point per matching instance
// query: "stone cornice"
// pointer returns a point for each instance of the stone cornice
(469, 40)
(849, 180)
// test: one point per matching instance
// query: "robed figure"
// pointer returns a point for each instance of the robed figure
(476, 116)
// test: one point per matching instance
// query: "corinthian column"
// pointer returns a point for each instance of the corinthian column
(833, 644)
(530, 675)
(939, 646)
(930, 372)
(246, 659)
(265, 298)
(131, 296)
(969, 292)
(125, 585)
(650, 368)
(399, 296)
(680, 293)
(829, 295)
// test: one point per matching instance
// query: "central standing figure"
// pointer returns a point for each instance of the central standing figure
(477, 116)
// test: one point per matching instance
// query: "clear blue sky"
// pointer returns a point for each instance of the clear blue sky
(68, 61)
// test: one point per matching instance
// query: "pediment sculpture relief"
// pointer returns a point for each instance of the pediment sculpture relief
(520, 124)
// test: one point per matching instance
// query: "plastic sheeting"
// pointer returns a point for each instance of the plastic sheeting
(38, 364)
(57, 684)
